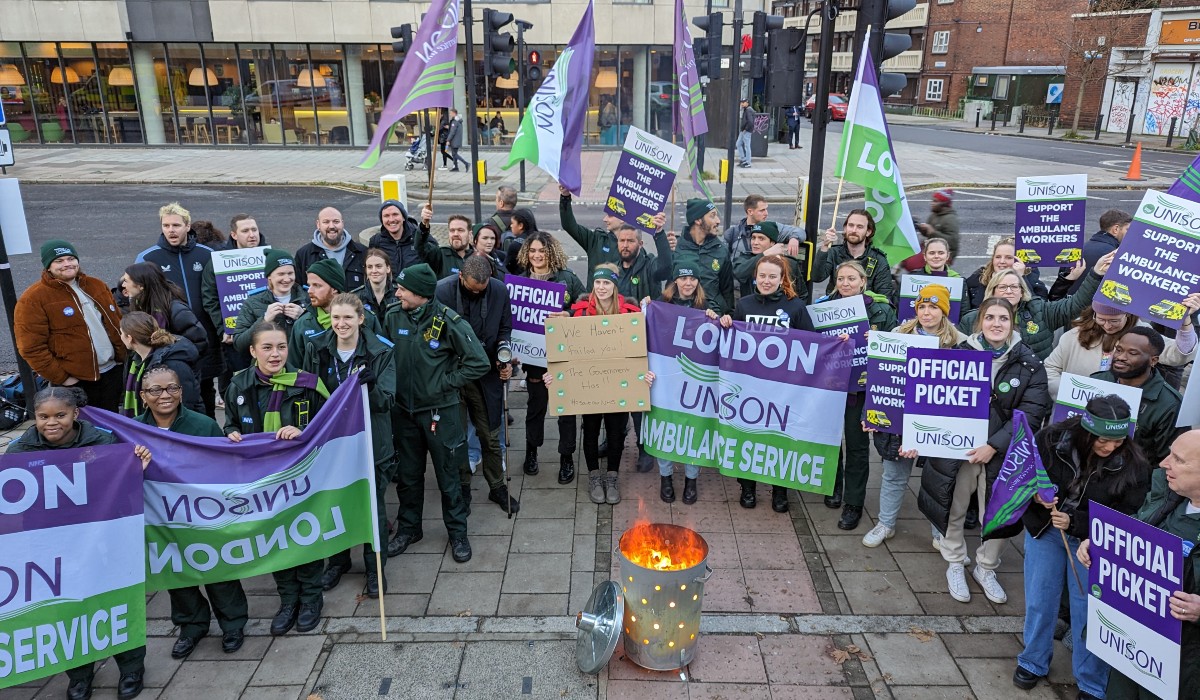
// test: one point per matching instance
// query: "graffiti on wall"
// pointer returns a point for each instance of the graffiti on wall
(1122, 105)
(1168, 97)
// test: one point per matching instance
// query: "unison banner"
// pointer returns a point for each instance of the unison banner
(911, 285)
(239, 273)
(1135, 569)
(753, 401)
(946, 401)
(218, 510)
(643, 178)
(887, 355)
(849, 316)
(1074, 391)
(72, 578)
(531, 300)
(1050, 220)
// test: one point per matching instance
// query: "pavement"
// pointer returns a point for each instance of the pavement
(795, 608)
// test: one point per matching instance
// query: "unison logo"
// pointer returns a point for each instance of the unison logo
(1119, 641)
(933, 435)
(1171, 213)
(1037, 188)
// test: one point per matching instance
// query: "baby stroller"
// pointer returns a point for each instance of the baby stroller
(416, 153)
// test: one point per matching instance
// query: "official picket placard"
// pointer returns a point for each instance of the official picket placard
(946, 401)
(597, 363)
(218, 510)
(1051, 219)
(757, 402)
(531, 300)
(72, 571)
(1135, 569)
(239, 274)
(1074, 391)
(887, 355)
(1158, 263)
(643, 178)
(848, 316)
(911, 285)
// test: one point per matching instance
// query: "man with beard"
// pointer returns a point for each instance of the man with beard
(1134, 364)
(858, 231)
(702, 240)
(483, 302)
(447, 260)
(397, 235)
(326, 279)
(182, 260)
(641, 274)
(331, 241)
(243, 233)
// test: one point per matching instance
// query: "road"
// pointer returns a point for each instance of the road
(119, 221)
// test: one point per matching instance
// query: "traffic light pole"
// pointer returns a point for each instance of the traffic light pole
(472, 128)
(735, 89)
(816, 163)
(521, 59)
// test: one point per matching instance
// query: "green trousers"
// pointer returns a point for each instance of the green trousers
(446, 446)
(300, 584)
(127, 662)
(191, 611)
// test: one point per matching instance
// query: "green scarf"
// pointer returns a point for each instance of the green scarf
(131, 404)
(272, 420)
(323, 318)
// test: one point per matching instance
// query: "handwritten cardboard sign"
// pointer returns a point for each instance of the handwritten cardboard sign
(598, 364)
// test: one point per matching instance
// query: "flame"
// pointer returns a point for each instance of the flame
(663, 547)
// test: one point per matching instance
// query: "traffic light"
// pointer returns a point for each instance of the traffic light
(404, 38)
(497, 48)
(884, 44)
(708, 49)
(533, 68)
(763, 23)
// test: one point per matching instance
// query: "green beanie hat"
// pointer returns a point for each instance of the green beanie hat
(275, 259)
(418, 279)
(331, 271)
(697, 208)
(770, 229)
(685, 267)
(53, 250)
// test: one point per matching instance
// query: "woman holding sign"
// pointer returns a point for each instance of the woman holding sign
(1003, 258)
(57, 426)
(947, 485)
(266, 398)
(1088, 458)
(850, 279)
(933, 309)
(282, 302)
(543, 259)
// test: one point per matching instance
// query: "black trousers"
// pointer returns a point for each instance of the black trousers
(127, 662)
(234, 362)
(794, 136)
(535, 415)
(383, 476)
(106, 391)
(191, 612)
(614, 428)
(300, 584)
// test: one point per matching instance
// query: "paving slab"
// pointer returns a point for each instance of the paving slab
(387, 670)
(488, 553)
(991, 679)
(466, 593)
(807, 692)
(640, 690)
(847, 553)
(542, 536)
(895, 655)
(781, 591)
(873, 593)
(288, 661)
(546, 670)
(538, 573)
(728, 659)
(982, 646)
(801, 660)
(218, 680)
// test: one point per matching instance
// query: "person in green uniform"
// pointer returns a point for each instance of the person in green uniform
(162, 393)
(281, 302)
(325, 279)
(267, 398)
(702, 240)
(435, 354)
(353, 351)
(57, 426)
(765, 240)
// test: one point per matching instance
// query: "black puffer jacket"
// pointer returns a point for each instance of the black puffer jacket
(184, 265)
(1019, 383)
(183, 322)
(1037, 320)
(1105, 487)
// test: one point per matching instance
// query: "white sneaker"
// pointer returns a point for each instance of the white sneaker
(990, 584)
(876, 535)
(956, 578)
(524, 385)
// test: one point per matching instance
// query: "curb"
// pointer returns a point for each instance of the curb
(1129, 146)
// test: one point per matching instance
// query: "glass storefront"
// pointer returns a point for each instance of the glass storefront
(284, 95)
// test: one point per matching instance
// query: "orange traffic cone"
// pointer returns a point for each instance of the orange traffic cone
(1135, 166)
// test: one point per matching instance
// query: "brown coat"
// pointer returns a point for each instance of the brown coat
(57, 343)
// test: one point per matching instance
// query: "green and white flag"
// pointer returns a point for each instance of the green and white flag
(867, 159)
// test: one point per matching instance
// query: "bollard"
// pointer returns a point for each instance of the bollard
(978, 114)
(1050, 131)
(1171, 133)
(993, 120)
(1099, 121)
(1007, 116)
(1129, 129)
(1021, 128)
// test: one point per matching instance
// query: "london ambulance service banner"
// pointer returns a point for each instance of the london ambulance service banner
(643, 178)
(531, 300)
(911, 285)
(848, 316)
(239, 273)
(1158, 263)
(946, 401)
(887, 357)
(218, 510)
(752, 401)
(72, 571)
(1074, 391)
(1135, 569)
(1051, 219)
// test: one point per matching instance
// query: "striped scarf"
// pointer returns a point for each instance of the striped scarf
(131, 404)
(272, 420)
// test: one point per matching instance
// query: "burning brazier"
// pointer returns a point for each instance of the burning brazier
(663, 571)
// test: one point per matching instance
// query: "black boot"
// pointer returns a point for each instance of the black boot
(835, 499)
(667, 490)
(689, 491)
(531, 462)
(748, 499)
(566, 469)
(850, 517)
(779, 501)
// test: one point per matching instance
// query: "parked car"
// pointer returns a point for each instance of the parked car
(838, 104)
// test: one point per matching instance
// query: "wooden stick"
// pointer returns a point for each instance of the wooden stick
(837, 202)
(1071, 560)
(379, 574)
(671, 223)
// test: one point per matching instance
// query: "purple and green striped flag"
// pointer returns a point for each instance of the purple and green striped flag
(426, 78)
(1188, 184)
(690, 120)
(1021, 476)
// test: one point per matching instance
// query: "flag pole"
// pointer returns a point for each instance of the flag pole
(848, 133)
(1070, 554)
(437, 114)
(379, 577)
(377, 542)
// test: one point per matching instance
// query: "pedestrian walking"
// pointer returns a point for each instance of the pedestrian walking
(745, 131)
(454, 139)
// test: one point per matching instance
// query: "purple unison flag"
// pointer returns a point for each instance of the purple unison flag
(1021, 475)
(1188, 184)
(426, 78)
(689, 103)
